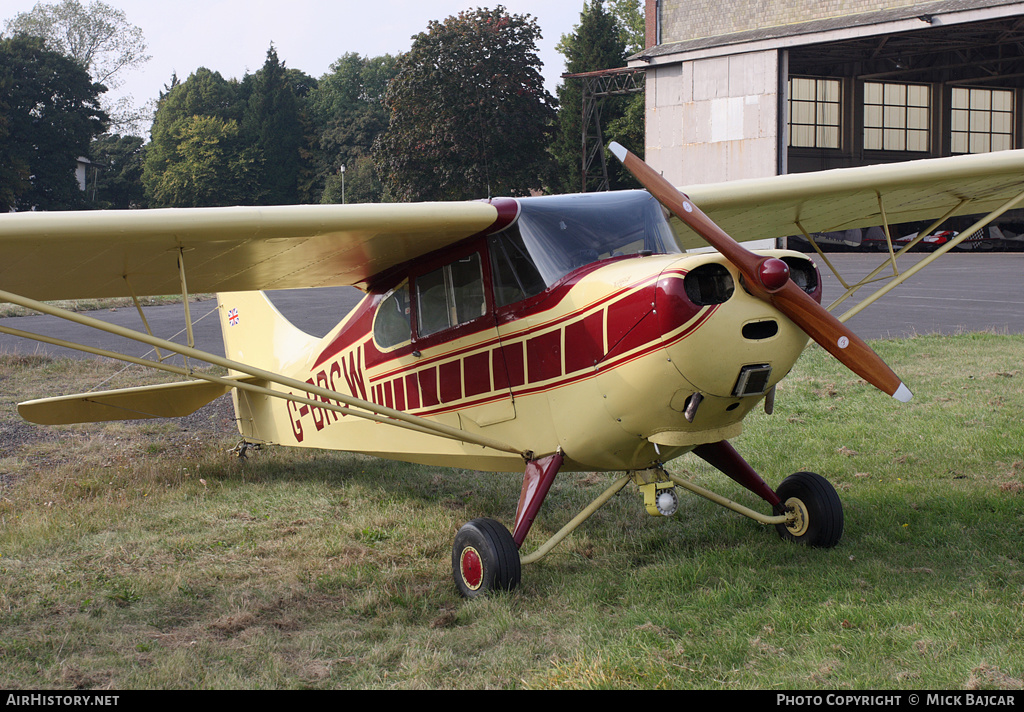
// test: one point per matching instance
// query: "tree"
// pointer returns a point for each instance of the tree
(596, 43)
(630, 128)
(49, 112)
(211, 165)
(14, 169)
(348, 109)
(260, 121)
(119, 179)
(99, 37)
(632, 27)
(204, 92)
(271, 125)
(469, 115)
(204, 95)
(303, 86)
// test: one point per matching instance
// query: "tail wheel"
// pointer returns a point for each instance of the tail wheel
(485, 558)
(819, 513)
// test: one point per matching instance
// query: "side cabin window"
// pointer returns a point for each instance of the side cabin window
(391, 323)
(551, 237)
(451, 295)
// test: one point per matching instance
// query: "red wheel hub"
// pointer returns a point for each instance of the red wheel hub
(472, 568)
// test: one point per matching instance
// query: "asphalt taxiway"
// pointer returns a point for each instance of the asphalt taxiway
(960, 292)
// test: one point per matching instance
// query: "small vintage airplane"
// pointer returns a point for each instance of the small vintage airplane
(537, 334)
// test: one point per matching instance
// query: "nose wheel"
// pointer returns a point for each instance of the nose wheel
(818, 513)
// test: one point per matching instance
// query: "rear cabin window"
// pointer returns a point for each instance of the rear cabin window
(391, 324)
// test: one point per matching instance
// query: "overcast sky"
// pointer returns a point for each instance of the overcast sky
(232, 36)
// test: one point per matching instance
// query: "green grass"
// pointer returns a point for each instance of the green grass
(142, 556)
(81, 305)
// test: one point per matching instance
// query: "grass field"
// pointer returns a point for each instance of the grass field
(142, 555)
(81, 305)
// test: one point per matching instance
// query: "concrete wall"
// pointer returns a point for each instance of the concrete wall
(711, 120)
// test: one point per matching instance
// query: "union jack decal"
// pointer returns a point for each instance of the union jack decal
(233, 317)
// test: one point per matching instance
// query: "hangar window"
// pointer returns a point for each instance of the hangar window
(814, 112)
(897, 117)
(981, 120)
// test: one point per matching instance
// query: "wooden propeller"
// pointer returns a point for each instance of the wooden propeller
(767, 278)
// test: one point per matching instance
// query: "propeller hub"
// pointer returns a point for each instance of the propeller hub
(773, 274)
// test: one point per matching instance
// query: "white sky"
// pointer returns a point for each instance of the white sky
(232, 36)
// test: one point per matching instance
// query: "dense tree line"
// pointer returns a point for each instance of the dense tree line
(463, 114)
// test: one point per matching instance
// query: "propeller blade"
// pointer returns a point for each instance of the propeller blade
(768, 278)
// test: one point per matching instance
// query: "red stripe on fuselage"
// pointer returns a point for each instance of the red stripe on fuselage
(529, 388)
(616, 329)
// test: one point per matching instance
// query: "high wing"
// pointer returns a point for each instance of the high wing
(834, 200)
(76, 255)
(85, 254)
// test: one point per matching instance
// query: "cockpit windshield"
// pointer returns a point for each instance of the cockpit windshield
(557, 234)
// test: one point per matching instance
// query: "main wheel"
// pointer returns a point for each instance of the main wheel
(485, 558)
(819, 520)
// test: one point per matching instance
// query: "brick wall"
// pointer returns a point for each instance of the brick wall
(691, 19)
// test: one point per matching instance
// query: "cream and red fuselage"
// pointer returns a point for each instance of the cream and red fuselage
(602, 364)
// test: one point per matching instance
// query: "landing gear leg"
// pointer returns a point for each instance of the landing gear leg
(815, 514)
(723, 456)
(485, 556)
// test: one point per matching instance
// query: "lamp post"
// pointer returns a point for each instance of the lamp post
(342, 171)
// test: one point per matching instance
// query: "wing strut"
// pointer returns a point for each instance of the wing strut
(231, 382)
(335, 401)
(910, 272)
(142, 314)
(821, 254)
(184, 297)
(851, 290)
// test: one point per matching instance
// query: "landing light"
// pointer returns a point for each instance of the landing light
(668, 502)
(660, 498)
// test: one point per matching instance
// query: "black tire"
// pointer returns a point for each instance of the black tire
(821, 520)
(485, 558)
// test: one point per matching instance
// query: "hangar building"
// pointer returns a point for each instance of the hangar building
(750, 88)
